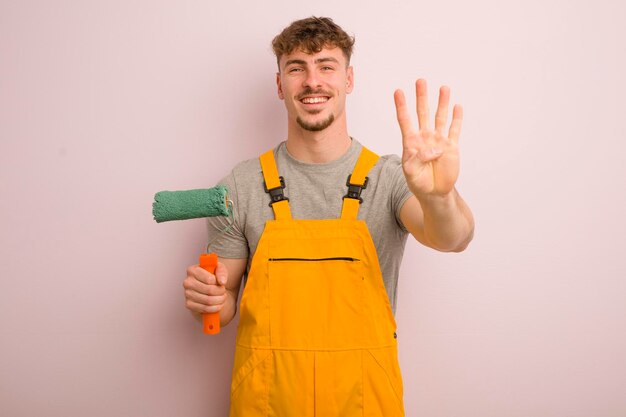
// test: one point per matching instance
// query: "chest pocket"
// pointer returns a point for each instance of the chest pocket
(316, 293)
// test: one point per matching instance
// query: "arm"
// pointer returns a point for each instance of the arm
(436, 215)
(208, 293)
(442, 223)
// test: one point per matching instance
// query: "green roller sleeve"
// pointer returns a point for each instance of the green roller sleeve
(190, 204)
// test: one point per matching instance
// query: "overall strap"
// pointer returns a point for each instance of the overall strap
(274, 186)
(357, 182)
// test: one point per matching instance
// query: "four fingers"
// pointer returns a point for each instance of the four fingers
(441, 116)
(205, 292)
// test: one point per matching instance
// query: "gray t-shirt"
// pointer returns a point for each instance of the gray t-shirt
(316, 191)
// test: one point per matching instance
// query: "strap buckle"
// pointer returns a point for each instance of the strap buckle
(354, 190)
(276, 194)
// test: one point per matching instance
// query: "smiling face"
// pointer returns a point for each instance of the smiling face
(314, 87)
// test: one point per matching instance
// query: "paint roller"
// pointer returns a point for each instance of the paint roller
(194, 204)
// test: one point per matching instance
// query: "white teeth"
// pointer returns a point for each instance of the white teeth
(314, 100)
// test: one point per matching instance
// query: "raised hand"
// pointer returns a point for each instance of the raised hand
(430, 157)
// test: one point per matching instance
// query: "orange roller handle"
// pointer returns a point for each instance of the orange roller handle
(210, 321)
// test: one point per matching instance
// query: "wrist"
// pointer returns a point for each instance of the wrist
(229, 308)
(430, 199)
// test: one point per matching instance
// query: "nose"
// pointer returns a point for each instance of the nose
(312, 80)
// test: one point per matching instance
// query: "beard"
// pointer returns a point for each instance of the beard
(316, 127)
(321, 125)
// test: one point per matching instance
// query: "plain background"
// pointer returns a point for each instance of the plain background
(103, 103)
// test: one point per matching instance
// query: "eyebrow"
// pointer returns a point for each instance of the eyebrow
(317, 61)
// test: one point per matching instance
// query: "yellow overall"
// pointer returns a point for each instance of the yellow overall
(316, 331)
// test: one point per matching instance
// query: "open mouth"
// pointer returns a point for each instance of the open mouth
(314, 100)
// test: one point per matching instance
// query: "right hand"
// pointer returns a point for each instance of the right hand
(205, 292)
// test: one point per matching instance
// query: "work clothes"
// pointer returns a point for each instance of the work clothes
(316, 335)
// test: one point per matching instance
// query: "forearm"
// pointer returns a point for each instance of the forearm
(448, 222)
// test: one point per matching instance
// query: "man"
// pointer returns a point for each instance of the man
(316, 333)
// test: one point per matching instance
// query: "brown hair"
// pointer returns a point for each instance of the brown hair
(311, 35)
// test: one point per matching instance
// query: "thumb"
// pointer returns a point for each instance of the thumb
(221, 273)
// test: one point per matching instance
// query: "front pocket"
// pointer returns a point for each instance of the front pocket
(382, 383)
(249, 388)
(316, 302)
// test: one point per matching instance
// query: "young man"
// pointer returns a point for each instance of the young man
(322, 244)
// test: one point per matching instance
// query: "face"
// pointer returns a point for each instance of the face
(314, 87)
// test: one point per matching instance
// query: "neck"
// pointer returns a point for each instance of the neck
(318, 147)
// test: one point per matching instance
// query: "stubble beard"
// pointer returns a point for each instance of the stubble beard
(321, 125)
(316, 127)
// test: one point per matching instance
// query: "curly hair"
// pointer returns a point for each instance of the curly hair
(311, 35)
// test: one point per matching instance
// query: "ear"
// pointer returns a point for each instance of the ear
(279, 87)
(349, 80)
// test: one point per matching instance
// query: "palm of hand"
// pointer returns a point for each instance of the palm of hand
(430, 158)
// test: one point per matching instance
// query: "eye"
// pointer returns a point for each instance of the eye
(294, 69)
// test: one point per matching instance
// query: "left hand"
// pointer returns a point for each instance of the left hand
(430, 158)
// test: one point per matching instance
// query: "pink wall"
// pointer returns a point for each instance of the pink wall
(104, 103)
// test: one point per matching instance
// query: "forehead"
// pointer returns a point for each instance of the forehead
(325, 54)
